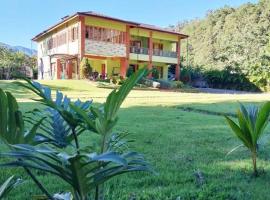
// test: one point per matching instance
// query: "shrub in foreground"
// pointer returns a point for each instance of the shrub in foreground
(53, 143)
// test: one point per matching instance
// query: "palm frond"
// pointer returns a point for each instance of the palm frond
(82, 171)
(8, 185)
(12, 127)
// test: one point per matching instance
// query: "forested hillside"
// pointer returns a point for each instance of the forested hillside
(11, 60)
(230, 37)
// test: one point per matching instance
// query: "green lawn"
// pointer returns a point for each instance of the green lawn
(177, 144)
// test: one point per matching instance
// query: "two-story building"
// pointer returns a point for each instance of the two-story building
(111, 46)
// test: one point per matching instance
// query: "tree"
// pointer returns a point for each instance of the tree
(11, 61)
(234, 37)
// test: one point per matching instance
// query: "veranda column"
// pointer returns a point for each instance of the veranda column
(177, 68)
(123, 67)
(81, 42)
(124, 62)
(127, 45)
(58, 67)
(69, 69)
(150, 45)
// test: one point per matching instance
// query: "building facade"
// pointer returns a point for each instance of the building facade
(111, 46)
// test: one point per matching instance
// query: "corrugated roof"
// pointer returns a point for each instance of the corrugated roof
(94, 14)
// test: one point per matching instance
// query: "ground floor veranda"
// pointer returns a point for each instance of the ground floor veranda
(68, 67)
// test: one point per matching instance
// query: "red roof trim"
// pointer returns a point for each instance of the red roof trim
(135, 24)
(53, 27)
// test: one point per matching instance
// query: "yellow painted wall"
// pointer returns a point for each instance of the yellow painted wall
(144, 40)
(165, 72)
(165, 36)
(113, 66)
(143, 57)
(155, 34)
(157, 64)
(110, 65)
(164, 59)
(167, 45)
(139, 32)
(141, 64)
(165, 69)
(94, 21)
(96, 64)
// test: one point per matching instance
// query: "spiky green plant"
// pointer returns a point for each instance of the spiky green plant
(252, 121)
(8, 185)
(84, 169)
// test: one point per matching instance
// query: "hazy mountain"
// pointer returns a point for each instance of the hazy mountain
(25, 50)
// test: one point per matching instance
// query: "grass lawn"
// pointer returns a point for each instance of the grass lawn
(177, 143)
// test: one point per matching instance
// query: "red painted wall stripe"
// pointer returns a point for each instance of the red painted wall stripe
(82, 47)
(150, 44)
(177, 68)
(58, 67)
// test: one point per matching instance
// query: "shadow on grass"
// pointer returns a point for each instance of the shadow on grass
(14, 88)
(64, 88)
(178, 143)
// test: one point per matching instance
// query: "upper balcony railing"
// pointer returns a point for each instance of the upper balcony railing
(139, 50)
(162, 53)
(156, 52)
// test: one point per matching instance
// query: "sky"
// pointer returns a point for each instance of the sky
(21, 20)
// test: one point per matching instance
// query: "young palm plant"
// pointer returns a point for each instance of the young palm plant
(252, 121)
(84, 169)
(8, 185)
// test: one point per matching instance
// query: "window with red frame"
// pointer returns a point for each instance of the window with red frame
(105, 34)
(58, 40)
(74, 33)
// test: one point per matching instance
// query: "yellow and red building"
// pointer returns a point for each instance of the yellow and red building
(111, 46)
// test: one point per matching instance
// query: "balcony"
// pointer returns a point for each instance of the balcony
(162, 53)
(139, 50)
(156, 52)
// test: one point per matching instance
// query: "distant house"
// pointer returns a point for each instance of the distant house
(111, 46)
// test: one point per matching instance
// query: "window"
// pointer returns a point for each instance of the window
(105, 34)
(74, 34)
(50, 43)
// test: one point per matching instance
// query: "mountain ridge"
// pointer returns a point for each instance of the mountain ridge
(18, 48)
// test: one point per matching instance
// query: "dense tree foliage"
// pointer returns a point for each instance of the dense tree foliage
(229, 37)
(11, 60)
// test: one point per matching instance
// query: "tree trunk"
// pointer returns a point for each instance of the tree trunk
(99, 192)
(254, 162)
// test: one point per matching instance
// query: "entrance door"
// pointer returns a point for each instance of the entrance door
(69, 69)
(103, 71)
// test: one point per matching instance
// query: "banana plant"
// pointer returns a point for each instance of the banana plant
(85, 170)
(252, 121)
